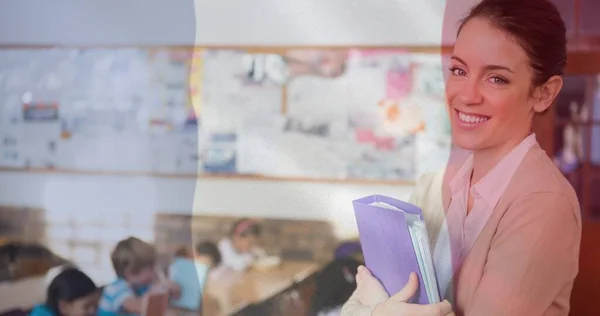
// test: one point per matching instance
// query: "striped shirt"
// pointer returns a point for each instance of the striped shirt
(114, 295)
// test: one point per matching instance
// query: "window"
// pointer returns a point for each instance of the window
(87, 238)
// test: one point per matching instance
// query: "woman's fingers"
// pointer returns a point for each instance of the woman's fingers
(409, 290)
(445, 308)
(359, 280)
(369, 290)
(439, 309)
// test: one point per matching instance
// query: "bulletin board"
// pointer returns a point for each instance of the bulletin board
(322, 114)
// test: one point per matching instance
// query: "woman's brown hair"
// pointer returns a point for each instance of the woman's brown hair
(536, 25)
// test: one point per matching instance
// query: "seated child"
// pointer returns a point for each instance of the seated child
(134, 262)
(334, 286)
(71, 293)
(350, 249)
(190, 271)
(240, 250)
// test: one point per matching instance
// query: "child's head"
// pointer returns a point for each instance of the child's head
(350, 249)
(244, 234)
(72, 293)
(208, 253)
(334, 285)
(134, 261)
(184, 252)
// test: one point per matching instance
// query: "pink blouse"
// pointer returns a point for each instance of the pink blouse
(460, 231)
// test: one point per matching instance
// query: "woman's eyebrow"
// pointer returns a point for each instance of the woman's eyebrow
(486, 67)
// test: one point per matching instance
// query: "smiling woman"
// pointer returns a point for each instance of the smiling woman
(508, 240)
(503, 71)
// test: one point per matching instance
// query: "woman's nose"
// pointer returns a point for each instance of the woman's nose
(470, 93)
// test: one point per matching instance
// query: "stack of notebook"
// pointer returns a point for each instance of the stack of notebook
(394, 241)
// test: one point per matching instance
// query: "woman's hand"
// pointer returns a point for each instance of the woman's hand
(369, 290)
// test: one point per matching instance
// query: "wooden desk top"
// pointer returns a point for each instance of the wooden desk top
(228, 292)
(22, 294)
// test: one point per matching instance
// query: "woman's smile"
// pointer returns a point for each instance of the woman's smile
(469, 121)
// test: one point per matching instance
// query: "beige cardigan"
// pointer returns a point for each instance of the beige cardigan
(525, 259)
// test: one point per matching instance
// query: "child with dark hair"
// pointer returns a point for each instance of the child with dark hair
(190, 270)
(334, 286)
(208, 253)
(240, 250)
(71, 293)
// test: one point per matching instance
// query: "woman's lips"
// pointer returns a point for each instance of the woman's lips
(470, 120)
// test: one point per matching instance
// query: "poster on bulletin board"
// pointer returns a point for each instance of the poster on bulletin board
(316, 114)
(323, 114)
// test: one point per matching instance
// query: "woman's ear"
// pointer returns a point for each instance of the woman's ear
(545, 94)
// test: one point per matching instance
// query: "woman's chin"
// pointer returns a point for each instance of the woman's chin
(467, 142)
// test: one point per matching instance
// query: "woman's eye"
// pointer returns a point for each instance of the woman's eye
(498, 80)
(457, 71)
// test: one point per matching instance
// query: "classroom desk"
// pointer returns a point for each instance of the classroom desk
(232, 292)
(22, 294)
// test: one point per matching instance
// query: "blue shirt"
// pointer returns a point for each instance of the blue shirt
(113, 296)
(191, 277)
(41, 310)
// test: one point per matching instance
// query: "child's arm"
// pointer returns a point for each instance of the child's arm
(118, 297)
(174, 289)
(133, 305)
(230, 258)
(258, 252)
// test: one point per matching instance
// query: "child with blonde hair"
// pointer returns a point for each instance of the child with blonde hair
(134, 262)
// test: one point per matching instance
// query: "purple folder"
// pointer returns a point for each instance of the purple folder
(390, 252)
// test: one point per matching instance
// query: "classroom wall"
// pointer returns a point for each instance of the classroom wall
(89, 22)
(257, 23)
(229, 22)
(81, 194)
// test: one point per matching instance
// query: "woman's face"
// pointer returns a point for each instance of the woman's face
(489, 88)
(84, 306)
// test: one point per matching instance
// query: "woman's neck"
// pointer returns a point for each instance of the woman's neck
(484, 160)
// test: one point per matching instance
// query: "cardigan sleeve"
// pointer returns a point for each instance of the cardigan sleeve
(427, 194)
(532, 258)
(415, 195)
